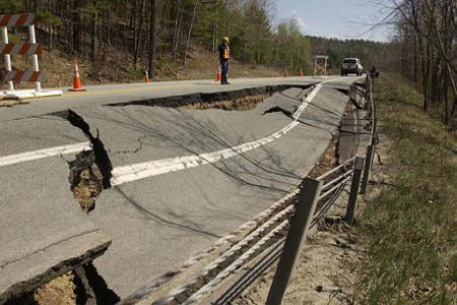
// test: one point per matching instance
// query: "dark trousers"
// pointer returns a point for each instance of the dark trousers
(224, 70)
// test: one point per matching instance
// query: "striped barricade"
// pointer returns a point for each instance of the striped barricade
(17, 20)
(21, 49)
(18, 76)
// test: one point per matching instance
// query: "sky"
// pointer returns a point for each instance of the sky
(344, 19)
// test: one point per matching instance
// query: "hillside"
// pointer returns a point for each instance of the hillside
(116, 41)
(117, 67)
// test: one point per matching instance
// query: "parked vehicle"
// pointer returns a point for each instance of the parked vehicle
(351, 65)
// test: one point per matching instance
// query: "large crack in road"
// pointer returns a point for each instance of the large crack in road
(90, 172)
(213, 100)
(93, 169)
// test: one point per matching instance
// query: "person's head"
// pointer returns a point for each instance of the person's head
(225, 39)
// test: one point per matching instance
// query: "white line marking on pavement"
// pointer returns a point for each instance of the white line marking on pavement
(153, 168)
(44, 153)
(144, 170)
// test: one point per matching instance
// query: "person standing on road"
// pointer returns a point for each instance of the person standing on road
(224, 57)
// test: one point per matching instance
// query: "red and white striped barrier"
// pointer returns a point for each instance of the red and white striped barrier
(17, 20)
(32, 49)
(18, 76)
(21, 49)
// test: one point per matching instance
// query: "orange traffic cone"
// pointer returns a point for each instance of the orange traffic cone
(301, 72)
(147, 76)
(76, 80)
(218, 75)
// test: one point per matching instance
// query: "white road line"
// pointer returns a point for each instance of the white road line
(144, 170)
(44, 153)
(148, 169)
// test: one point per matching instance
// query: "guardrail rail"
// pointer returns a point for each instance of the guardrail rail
(283, 229)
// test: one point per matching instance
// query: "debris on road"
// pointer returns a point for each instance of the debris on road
(9, 102)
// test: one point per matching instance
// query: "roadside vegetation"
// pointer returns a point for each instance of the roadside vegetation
(149, 33)
(425, 37)
(118, 40)
(411, 226)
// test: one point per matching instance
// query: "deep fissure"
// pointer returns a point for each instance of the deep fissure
(90, 172)
(241, 100)
(278, 109)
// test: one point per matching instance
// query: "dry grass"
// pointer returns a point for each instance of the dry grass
(12, 103)
(412, 223)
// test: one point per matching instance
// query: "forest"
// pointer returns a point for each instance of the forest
(425, 36)
(149, 29)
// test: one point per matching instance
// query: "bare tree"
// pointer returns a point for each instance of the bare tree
(190, 32)
(153, 38)
(432, 24)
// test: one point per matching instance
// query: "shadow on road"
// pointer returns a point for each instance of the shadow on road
(152, 216)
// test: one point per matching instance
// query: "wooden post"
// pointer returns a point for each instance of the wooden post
(358, 167)
(375, 131)
(304, 212)
(367, 169)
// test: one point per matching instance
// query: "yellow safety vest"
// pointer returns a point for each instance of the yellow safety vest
(227, 53)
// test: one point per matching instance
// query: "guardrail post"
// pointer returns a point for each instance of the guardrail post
(367, 169)
(304, 212)
(358, 167)
(374, 137)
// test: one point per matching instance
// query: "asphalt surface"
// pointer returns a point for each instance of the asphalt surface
(156, 223)
(108, 94)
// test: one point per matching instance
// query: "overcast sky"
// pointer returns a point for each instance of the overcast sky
(345, 19)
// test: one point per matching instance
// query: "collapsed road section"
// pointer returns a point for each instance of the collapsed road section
(157, 221)
(165, 210)
(244, 99)
(90, 172)
(232, 251)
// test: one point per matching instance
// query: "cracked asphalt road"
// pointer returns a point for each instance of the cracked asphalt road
(157, 223)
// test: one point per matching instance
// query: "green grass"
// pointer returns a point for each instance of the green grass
(412, 227)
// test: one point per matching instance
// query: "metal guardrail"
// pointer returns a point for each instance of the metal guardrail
(313, 200)
(261, 238)
(313, 190)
